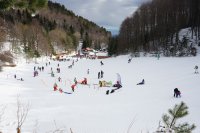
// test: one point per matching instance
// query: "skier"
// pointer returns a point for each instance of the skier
(196, 69)
(141, 83)
(15, 76)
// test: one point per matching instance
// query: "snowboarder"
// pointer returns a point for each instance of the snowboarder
(141, 83)
(196, 69)
(177, 93)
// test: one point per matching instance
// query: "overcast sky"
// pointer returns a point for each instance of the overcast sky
(106, 13)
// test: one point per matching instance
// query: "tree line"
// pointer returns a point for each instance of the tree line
(155, 27)
(43, 31)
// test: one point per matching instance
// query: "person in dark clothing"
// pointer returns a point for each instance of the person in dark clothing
(102, 74)
(15, 76)
(118, 85)
(177, 93)
(99, 74)
(129, 60)
(59, 79)
(141, 83)
(101, 63)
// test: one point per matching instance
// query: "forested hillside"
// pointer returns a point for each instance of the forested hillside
(53, 28)
(156, 26)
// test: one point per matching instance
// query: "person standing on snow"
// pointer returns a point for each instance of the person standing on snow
(99, 74)
(88, 71)
(73, 87)
(196, 69)
(102, 74)
(59, 79)
(101, 63)
(177, 93)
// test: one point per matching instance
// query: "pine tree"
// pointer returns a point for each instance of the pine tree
(170, 121)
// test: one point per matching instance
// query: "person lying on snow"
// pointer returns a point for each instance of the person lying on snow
(105, 83)
(141, 83)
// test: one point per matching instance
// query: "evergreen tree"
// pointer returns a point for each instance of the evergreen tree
(170, 121)
(31, 5)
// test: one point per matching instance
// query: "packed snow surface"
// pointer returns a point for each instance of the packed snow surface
(137, 108)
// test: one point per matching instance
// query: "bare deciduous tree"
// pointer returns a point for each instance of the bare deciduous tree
(22, 112)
